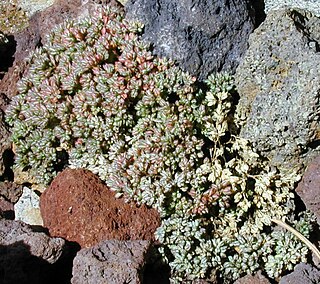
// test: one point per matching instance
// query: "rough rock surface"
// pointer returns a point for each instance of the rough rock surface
(79, 207)
(33, 6)
(303, 273)
(279, 84)
(6, 209)
(310, 5)
(27, 209)
(9, 194)
(258, 278)
(27, 256)
(10, 191)
(112, 262)
(201, 36)
(309, 187)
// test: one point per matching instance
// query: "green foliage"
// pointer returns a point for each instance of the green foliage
(94, 97)
(87, 93)
(222, 229)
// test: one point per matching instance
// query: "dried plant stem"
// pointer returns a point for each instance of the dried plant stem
(310, 245)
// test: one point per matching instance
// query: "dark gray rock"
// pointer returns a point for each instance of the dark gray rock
(309, 187)
(28, 256)
(303, 274)
(201, 36)
(112, 262)
(279, 85)
(40, 245)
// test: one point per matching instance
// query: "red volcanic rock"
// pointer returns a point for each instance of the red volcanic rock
(79, 207)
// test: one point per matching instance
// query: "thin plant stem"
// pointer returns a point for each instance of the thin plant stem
(310, 245)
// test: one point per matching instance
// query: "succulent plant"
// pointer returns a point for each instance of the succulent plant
(225, 228)
(94, 97)
(86, 92)
(12, 18)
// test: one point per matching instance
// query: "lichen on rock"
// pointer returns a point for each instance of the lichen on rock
(278, 82)
(312, 6)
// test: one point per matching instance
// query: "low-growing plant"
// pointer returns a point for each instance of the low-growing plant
(94, 97)
(12, 18)
(86, 93)
(225, 228)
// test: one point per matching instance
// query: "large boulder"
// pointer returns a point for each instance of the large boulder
(79, 207)
(279, 85)
(201, 36)
(112, 262)
(28, 256)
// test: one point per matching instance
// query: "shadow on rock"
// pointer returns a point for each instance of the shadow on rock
(18, 265)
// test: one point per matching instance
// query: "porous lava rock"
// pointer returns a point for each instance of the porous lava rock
(309, 187)
(112, 262)
(10, 191)
(6, 209)
(30, 256)
(79, 207)
(278, 82)
(202, 36)
(9, 194)
(304, 273)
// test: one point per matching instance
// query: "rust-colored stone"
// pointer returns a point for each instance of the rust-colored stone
(79, 207)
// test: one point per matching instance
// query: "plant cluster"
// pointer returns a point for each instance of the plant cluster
(94, 97)
(225, 228)
(85, 95)
(12, 18)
